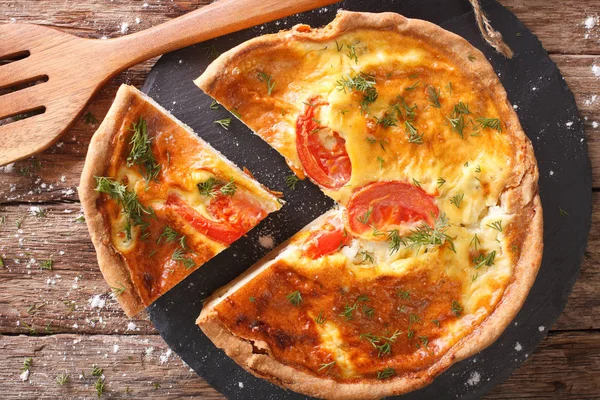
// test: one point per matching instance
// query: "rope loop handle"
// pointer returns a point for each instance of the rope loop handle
(491, 36)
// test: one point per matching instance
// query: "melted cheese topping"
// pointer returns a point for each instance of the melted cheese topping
(154, 263)
(433, 296)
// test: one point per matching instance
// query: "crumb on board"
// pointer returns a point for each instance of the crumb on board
(474, 379)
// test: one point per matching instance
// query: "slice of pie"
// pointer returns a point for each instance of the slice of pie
(159, 202)
(438, 237)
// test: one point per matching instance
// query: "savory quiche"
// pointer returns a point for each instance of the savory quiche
(159, 202)
(437, 238)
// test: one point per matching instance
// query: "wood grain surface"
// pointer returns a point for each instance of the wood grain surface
(65, 318)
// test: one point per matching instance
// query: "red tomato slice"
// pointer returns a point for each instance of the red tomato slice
(321, 150)
(387, 205)
(329, 238)
(234, 216)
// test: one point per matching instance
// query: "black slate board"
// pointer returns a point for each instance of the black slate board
(549, 116)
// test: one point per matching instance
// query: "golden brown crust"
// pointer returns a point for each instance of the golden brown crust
(520, 198)
(97, 161)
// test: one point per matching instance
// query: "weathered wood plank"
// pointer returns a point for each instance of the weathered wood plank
(133, 367)
(560, 25)
(75, 277)
(565, 366)
(144, 362)
(72, 297)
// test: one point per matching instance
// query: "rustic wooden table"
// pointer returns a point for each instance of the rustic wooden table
(56, 308)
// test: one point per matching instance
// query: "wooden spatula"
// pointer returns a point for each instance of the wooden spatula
(69, 70)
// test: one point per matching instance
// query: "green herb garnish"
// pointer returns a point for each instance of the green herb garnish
(295, 298)
(141, 151)
(268, 80)
(224, 123)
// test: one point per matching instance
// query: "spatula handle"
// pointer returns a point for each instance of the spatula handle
(216, 19)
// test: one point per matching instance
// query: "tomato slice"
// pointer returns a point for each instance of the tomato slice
(329, 238)
(388, 205)
(234, 216)
(321, 150)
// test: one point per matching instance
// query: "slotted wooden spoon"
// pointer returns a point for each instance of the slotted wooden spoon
(72, 69)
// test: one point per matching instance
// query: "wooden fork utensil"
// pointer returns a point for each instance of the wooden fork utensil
(53, 74)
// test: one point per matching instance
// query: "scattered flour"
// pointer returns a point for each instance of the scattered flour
(24, 375)
(588, 102)
(164, 357)
(149, 351)
(7, 169)
(596, 70)
(590, 22)
(595, 125)
(569, 124)
(138, 20)
(266, 241)
(241, 385)
(124, 27)
(518, 346)
(541, 328)
(474, 379)
(131, 326)
(97, 301)
(115, 348)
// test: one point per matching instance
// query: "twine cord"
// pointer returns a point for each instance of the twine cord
(491, 36)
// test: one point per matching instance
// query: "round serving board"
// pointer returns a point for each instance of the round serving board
(549, 116)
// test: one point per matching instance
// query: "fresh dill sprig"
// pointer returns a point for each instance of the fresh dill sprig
(224, 123)
(320, 318)
(26, 364)
(497, 225)
(423, 236)
(403, 294)
(381, 161)
(117, 291)
(141, 151)
(440, 182)
(295, 298)
(491, 123)
(229, 188)
(62, 378)
(475, 242)
(169, 235)
(179, 255)
(363, 83)
(386, 373)
(412, 134)
(134, 211)
(47, 264)
(484, 259)
(562, 212)
(213, 186)
(212, 52)
(96, 371)
(382, 343)
(90, 119)
(214, 105)
(413, 86)
(99, 386)
(433, 95)
(457, 308)
(364, 219)
(352, 52)
(368, 256)
(326, 366)
(457, 200)
(268, 79)
(291, 181)
(394, 240)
